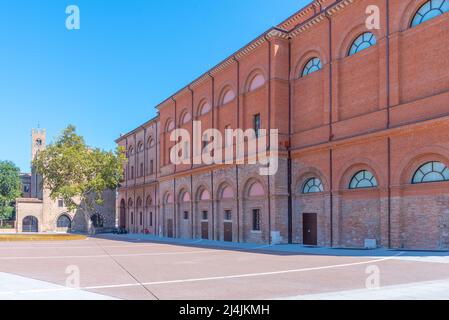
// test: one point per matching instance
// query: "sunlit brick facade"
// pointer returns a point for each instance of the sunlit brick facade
(363, 121)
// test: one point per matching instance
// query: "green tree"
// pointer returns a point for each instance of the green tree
(77, 173)
(10, 189)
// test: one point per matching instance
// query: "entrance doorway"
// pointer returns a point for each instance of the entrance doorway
(227, 232)
(310, 229)
(30, 224)
(205, 225)
(170, 228)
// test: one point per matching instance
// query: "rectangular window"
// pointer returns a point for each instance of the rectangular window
(205, 215)
(61, 203)
(256, 124)
(151, 166)
(141, 218)
(132, 172)
(151, 219)
(228, 215)
(132, 218)
(187, 148)
(256, 219)
(141, 169)
(205, 143)
(186, 215)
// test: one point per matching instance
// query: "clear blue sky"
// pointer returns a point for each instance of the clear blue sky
(129, 55)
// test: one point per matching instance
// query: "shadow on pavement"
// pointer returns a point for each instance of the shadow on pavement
(281, 250)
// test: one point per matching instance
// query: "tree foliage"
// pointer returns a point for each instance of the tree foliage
(77, 173)
(10, 188)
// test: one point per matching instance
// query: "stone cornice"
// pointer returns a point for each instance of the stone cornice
(331, 10)
(337, 7)
(275, 32)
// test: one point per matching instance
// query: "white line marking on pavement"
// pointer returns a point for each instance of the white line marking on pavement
(108, 256)
(224, 249)
(238, 276)
(81, 247)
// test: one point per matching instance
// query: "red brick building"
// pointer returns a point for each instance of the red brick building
(363, 118)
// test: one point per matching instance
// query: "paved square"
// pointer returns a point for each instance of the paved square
(139, 267)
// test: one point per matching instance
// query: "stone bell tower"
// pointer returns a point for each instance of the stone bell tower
(38, 142)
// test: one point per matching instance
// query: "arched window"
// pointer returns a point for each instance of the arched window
(430, 10)
(205, 195)
(149, 201)
(312, 66)
(227, 96)
(64, 222)
(168, 199)
(227, 193)
(130, 151)
(363, 179)
(139, 202)
(150, 142)
(364, 41)
(140, 146)
(169, 126)
(256, 190)
(431, 172)
(185, 117)
(313, 185)
(204, 108)
(185, 196)
(256, 82)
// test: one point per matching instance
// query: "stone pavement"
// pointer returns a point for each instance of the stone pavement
(15, 287)
(432, 290)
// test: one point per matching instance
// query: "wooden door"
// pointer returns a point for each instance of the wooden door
(170, 228)
(310, 229)
(227, 233)
(205, 230)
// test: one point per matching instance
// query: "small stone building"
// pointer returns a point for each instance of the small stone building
(37, 212)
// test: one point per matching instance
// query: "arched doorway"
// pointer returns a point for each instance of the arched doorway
(255, 213)
(122, 218)
(184, 215)
(97, 220)
(64, 223)
(30, 224)
(203, 209)
(168, 215)
(226, 213)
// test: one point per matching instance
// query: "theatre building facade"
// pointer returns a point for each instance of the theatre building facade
(363, 120)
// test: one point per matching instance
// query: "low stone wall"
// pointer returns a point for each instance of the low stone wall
(8, 231)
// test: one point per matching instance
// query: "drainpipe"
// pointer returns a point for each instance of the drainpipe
(236, 166)
(136, 157)
(289, 149)
(212, 171)
(175, 198)
(156, 202)
(191, 165)
(388, 121)
(330, 132)
(269, 141)
(144, 213)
